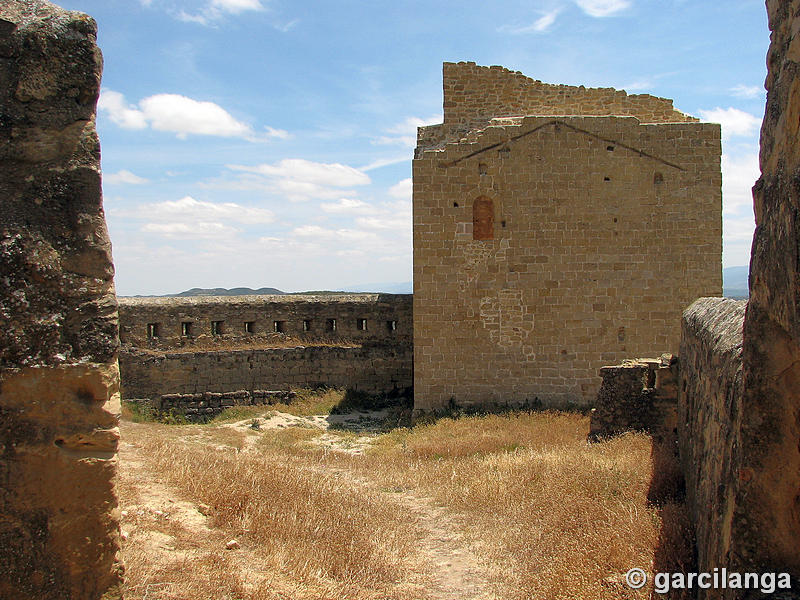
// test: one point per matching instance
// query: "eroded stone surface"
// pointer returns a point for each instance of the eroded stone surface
(709, 421)
(766, 521)
(59, 382)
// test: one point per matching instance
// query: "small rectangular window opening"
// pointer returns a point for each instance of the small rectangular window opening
(361, 324)
(249, 326)
(152, 330)
(279, 326)
(216, 327)
(306, 325)
(331, 324)
(186, 329)
(391, 325)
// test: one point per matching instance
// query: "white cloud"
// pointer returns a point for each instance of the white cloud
(540, 25)
(216, 9)
(734, 122)
(737, 239)
(281, 134)
(340, 235)
(747, 91)
(299, 179)
(188, 218)
(602, 8)
(306, 171)
(201, 230)
(402, 189)
(739, 174)
(346, 205)
(126, 116)
(286, 27)
(638, 85)
(236, 6)
(384, 162)
(405, 133)
(124, 177)
(180, 115)
(187, 209)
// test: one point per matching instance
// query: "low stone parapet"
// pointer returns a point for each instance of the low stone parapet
(637, 395)
(710, 417)
(209, 404)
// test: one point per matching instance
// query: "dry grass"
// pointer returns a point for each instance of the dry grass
(560, 518)
(553, 516)
(315, 534)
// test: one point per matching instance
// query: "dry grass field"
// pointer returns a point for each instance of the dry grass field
(320, 506)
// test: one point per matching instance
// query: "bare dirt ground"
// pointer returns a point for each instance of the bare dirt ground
(161, 529)
(283, 503)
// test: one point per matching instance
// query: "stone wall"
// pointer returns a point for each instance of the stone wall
(545, 248)
(226, 344)
(637, 395)
(766, 519)
(710, 415)
(59, 384)
(473, 95)
(162, 322)
(370, 368)
(205, 405)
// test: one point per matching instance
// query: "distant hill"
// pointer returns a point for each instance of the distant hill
(403, 287)
(734, 282)
(239, 291)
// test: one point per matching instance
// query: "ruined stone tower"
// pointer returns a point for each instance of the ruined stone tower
(556, 229)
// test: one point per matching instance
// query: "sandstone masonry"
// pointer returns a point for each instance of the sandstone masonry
(247, 344)
(548, 246)
(59, 383)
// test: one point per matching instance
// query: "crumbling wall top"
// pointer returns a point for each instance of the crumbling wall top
(176, 301)
(474, 94)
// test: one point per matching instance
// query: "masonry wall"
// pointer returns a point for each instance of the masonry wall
(59, 383)
(637, 395)
(353, 317)
(473, 93)
(766, 523)
(600, 231)
(371, 368)
(710, 415)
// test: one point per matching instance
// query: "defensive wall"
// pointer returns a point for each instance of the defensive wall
(177, 322)
(740, 438)
(738, 413)
(197, 345)
(548, 246)
(738, 421)
(59, 382)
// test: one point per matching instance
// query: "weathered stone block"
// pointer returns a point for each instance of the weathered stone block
(59, 381)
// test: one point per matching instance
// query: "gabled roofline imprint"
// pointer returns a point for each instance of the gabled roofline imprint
(558, 122)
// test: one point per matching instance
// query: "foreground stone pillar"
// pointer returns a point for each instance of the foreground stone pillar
(59, 382)
(768, 524)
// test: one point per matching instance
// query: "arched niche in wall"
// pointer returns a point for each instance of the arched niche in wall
(483, 219)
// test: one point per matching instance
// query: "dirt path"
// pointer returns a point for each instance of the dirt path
(456, 570)
(165, 533)
(166, 529)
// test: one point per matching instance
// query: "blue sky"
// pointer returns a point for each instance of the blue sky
(269, 142)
